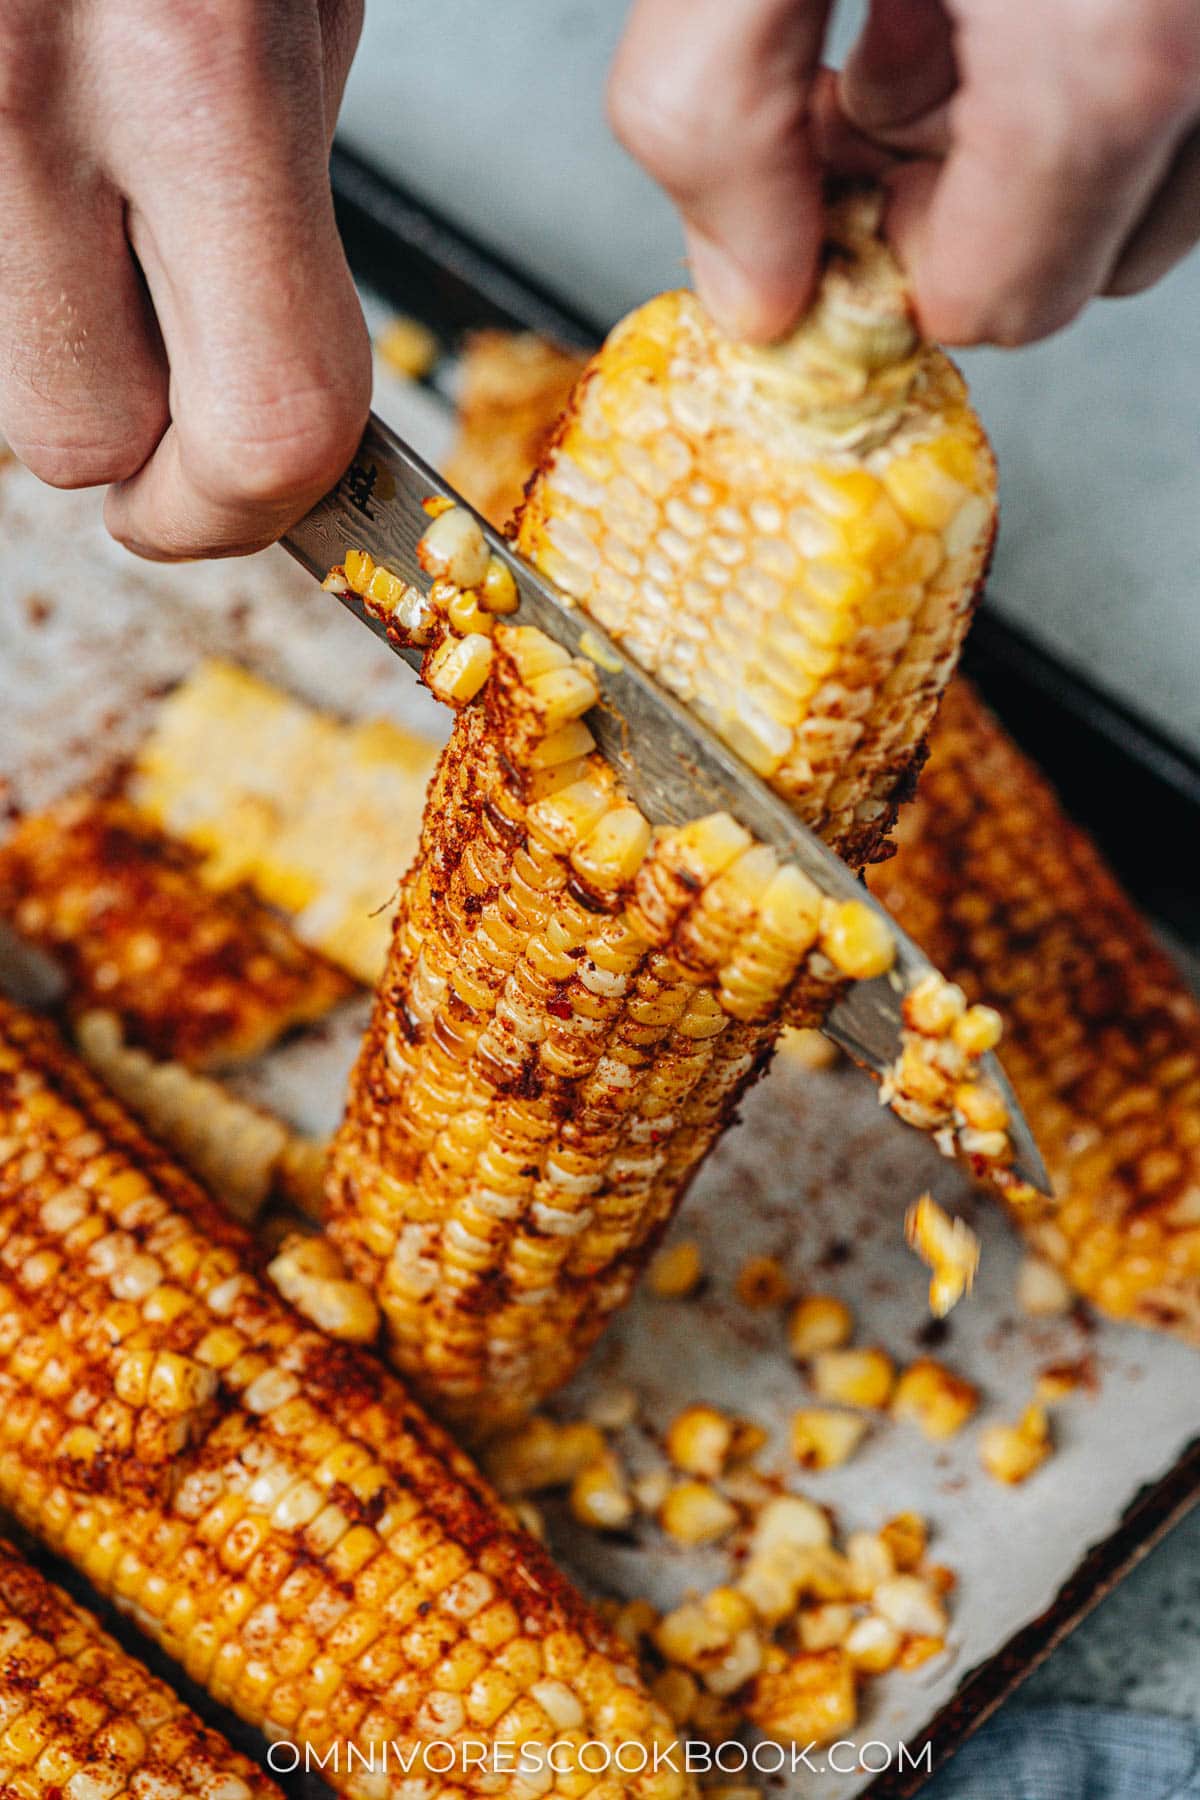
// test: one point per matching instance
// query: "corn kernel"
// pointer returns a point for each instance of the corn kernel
(699, 1441)
(407, 347)
(818, 1322)
(824, 1439)
(695, 1513)
(1042, 1292)
(676, 1271)
(761, 1283)
(454, 548)
(810, 1699)
(873, 1645)
(933, 1398)
(853, 1377)
(906, 1536)
(948, 1247)
(978, 1030)
(857, 941)
(912, 1605)
(499, 592)
(1011, 1453)
(599, 1497)
(458, 668)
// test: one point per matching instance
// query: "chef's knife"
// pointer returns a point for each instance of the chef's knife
(671, 765)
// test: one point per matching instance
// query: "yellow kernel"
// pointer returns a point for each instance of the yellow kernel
(857, 940)
(853, 1377)
(1011, 1453)
(599, 1497)
(934, 1399)
(761, 1283)
(699, 1441)
(407, 347)
(695, 1513)
(499, 592)
(823, 1438)
(464, 614)
(676, 1271)
(978, 1030)
(459, 667)
(818, 1322)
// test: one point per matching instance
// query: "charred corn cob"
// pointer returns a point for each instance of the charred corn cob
(317, 816)
(573, 1005)
(308, 1546)
(200, 978)
(1102, 1036)
(79, 1719)
(242, 1154)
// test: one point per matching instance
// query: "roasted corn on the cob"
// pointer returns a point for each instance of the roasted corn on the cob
(1102, 1035)
(81, 1720)
(317, 816)
(573, 1006)
(195, 976)
(270, 1506)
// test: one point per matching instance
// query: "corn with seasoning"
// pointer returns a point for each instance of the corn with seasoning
(308, 1547)
(573, 1005)
(201, 978)
(83, 1721)
(1102, 1034)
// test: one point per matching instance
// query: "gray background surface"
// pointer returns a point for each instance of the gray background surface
(493, 108)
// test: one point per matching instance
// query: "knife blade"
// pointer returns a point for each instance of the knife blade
(673, 767)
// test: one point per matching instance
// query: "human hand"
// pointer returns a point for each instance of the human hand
(1037, 152)
(176, 314)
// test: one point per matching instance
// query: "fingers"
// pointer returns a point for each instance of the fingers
(901, 70)
(269, 358)
(83, 386)
(1167, 230)
(713, 99)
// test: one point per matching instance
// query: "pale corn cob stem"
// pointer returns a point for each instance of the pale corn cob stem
(81, 1718)
(198, 977)
(319, 1556)
(1102, 1035)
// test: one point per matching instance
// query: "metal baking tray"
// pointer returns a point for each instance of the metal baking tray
(1135, 789)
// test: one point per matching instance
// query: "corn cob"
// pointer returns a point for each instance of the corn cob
(315, 815)
(82, 1720)
(200, 978)
(573, 1008)
(310, 1548)
(1102, 1036)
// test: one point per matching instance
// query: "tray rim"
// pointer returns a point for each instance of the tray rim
(376, 210)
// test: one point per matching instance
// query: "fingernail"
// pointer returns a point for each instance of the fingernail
(724, 287)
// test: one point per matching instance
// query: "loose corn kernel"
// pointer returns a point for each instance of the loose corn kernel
(699, 1441)
(541, 1454)
(761, 1283)
(824, 1439)
(311, 1275)
(978, 1030)
(934, 1005)
(809, 1698)
(870, 1559)
(857, 940)
(1042, 1292)
(695, 1513)
(933, 1398)
(919, 1650)
(818, 1322)
(826, 1626)
(906, 1536)
(676, 1271)
(790, 1523)
(454, 548)
(853, 1377)
(676, 1692)
(873, 1645)
(651, 1489)
(912, 1605)
(948, 1247)
(407, 347)
(1011, 1453)
(599, 1497)
(808, 1048)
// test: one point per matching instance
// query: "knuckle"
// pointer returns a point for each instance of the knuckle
(281, 451)
(66, 462)
(663, 137)
(1150, 78)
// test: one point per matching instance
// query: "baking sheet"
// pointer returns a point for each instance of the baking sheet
(816, 1174)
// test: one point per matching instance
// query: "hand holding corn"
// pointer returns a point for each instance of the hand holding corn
(1038, 152)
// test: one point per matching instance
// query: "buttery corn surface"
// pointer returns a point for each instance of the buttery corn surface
(1102, 1035)
(81, 1720)
(308, 1546)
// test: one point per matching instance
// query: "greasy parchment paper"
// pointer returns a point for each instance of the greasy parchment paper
(816, 1174)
